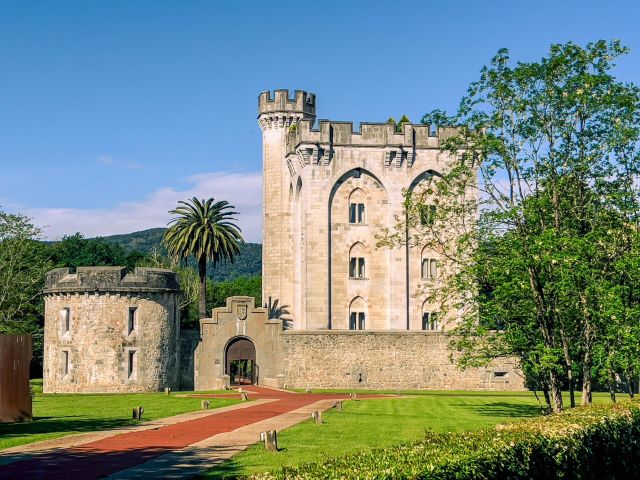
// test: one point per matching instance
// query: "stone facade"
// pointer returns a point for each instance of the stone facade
(328, 190)
(107, 330)
(385, 360)
(349, 316)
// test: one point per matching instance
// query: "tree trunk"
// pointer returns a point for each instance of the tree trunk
(630, 384)
(612, 386)
(569, 367)
(586, 379)
(555, 393)
(547, 397)
(202, 273)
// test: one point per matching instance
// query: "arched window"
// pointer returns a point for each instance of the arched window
(357, 207)
(357, 261)
(427, 214)
(430, 320)
(429, 265)
(357, 314)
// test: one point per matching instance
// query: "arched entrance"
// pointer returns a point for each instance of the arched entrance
(240, 361)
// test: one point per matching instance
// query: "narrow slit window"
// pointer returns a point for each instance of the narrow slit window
(361, 321)
(352, 321)
(65, 317)
(361, 272)
(65, 362)
(352, 213)
(132, 323)
(361, 218)
(132, 362)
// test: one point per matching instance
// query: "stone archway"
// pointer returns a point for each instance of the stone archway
(240, 361)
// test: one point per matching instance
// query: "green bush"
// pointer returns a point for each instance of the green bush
(601, 441)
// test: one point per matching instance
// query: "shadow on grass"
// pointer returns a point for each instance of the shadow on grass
(228, 470)
(504, 409)
(44, 425)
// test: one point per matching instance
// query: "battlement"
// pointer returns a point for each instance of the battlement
(111, 279)
(279, 102)
(335, 134)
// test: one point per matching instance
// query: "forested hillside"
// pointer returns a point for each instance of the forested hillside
(247, 264)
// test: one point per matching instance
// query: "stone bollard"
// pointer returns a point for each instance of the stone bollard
(137, 413)
(353, 396)
(338, 406)
(317, 416)
(204, 404)
(167, 391)
(270, 439)
(244, 396)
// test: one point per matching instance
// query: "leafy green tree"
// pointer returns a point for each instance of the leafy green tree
(205, 230)
(541, 185)
(23, 262)
(77, 251)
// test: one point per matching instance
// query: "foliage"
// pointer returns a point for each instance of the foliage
(203, 229)
(77, 251)
(599, 441)
(23, 263)
(382, 422)
(542, 254)
(404, 119)
(247, 263)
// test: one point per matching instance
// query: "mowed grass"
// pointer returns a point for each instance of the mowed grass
(60, 415)
(367, 424)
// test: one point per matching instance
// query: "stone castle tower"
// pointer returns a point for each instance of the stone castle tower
(107, 330)
(328, 190)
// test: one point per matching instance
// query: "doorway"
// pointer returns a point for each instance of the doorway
(240, 362)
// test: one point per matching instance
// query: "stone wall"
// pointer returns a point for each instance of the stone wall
(189, 340)
(384, 360)
(89, 346)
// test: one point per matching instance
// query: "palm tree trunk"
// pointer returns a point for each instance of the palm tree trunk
(202, 273)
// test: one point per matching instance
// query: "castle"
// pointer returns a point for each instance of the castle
(339, 313)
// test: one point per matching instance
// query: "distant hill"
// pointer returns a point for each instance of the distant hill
(248, 263)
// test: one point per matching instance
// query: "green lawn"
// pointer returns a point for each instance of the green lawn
(59, 415)
(379, 423)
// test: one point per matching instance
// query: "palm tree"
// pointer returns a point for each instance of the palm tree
(203, 229)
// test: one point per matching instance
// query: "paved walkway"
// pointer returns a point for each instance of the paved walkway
(173, 448)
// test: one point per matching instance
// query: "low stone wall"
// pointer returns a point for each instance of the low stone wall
(385, 360)
(188, 342)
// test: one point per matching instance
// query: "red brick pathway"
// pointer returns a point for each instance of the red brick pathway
(105, 457)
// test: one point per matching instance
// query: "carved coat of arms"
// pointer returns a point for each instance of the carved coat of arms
(242, 311)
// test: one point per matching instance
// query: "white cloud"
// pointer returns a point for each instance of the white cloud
(243, 190)
(109, 161)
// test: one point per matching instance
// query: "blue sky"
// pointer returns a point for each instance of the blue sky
(112, 111)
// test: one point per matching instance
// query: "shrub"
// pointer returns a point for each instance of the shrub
(600, 441)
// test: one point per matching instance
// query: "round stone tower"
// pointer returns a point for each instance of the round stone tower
(277, 112)
(107, 330)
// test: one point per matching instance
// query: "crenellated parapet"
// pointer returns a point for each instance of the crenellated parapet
(111, 279)
(279, 110)
(317, 146)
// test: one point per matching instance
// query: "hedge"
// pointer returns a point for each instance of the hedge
(596, 442)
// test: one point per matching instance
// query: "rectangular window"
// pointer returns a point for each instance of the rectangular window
(65, 317)
(65, 362)
(430, 321)
(352, 267)
(361, 268)
(132, 364)
(429, 269)
(425, 321)
(361, 320)
(132, 324)
(352, 321)
(356, 213)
